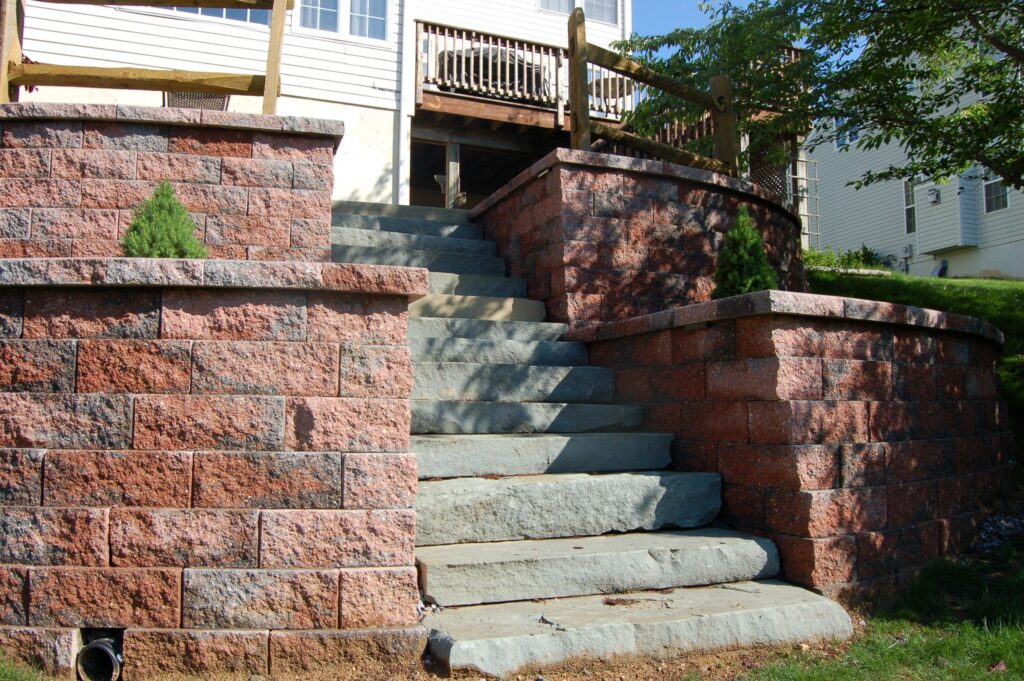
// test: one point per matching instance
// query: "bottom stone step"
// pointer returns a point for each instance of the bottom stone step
(501, 639)
(468, 574)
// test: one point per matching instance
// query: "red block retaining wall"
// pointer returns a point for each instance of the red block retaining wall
(603, 238)
(258, 187)
(224, 472)
(862, 437)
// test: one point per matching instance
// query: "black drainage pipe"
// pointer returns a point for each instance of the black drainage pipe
(100, 660)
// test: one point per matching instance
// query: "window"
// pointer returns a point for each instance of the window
(252, 16)
(321, 15)
(997, 195)
(606, 11)
(366, 18)
(562, 6)
(909, 212)
(847, 138)
(602, 10)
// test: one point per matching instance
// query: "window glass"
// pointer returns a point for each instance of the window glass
(321, 15)
(368, 18)
(602, 10)
(253, 16)
(847, 138)
(996, 196)
(909, 211)
(563, 6)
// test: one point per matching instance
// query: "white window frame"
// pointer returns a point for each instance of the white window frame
(582, 3)
(984, 195)
(618, 16)
(847, 139)
(909, 187)
(342, 34)
(545, 10)
(189, 16)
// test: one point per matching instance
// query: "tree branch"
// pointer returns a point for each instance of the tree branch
(1012, 51)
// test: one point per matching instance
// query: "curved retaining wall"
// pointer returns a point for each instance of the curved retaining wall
(211, 455)
(602, 238)
(864, 438)
(258, 187)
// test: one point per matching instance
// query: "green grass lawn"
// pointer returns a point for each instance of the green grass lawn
(958, 621)
(15, 672)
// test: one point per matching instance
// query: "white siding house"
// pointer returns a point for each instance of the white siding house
(352, 60)
(920, 222)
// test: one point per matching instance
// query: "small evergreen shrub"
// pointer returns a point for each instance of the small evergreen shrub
(743, 264)
(161, 228)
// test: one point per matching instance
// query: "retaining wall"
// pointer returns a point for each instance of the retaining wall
(863, 437)
(603, 238)
(224, 472)
(258, 187)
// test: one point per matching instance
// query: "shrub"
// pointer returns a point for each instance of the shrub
(743, 264)
(865, 258)
(161, 228)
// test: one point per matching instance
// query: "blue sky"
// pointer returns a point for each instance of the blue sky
(654, 17)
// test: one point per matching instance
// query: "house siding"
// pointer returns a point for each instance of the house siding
(874, 216)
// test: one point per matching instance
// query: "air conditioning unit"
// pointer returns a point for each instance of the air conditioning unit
(908, 251)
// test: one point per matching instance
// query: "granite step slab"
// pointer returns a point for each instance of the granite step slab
(473, 510)
(471, 574)
(504, 638)
(463, 456)
(456, 417)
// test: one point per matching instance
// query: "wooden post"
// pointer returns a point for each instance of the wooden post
(724, 118)
(421, 64)
(12, 24)
(452, 170)
(579, 99)
(272, 86)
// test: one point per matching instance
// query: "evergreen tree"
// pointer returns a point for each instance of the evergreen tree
(161, 228)
(743, 264)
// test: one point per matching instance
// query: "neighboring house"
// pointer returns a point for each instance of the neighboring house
(387, 68)
(973, 221)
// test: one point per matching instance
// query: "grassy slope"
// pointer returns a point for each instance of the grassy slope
(14, 672)
(958, 621)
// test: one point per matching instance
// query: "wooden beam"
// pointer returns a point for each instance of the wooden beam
(579, 96)
(723, 117)
(12, 25)
(137, 79)
(452, 175)
(215, 4)
(471, 107)
(537, 142)
(272, 84)
(627, 67)
(659, 150)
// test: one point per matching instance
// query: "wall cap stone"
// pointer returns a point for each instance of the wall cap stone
(292, 125)
(593, 159)
(793, 304)
(411, 282)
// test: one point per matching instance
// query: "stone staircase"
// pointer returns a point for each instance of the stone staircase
(537, 503)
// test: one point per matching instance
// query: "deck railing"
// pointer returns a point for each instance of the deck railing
(716, 101)
(491, 66)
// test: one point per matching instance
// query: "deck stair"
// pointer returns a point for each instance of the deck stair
(547, 528)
